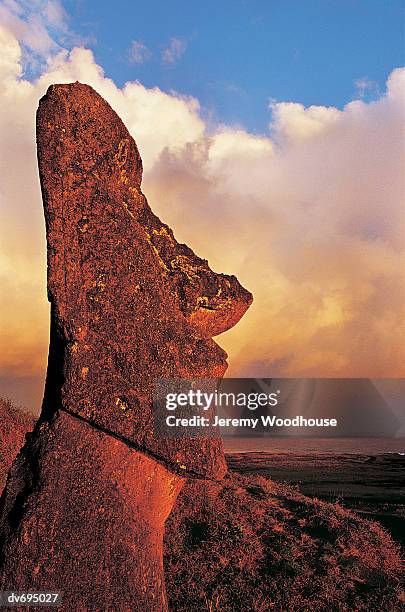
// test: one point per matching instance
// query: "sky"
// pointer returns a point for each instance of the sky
(235, 55)
(272, 137)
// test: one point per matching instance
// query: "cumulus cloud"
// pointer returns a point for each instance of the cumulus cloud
(174, 51)
(366, 86)
(138, 52)
(41, 28)
(292, 120)
(310, 217)
(36, 24)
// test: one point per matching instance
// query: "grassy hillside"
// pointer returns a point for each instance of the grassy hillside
(14, 425)
(250, 544)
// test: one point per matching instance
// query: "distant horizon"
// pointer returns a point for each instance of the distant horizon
(202, 349)
(271, 143)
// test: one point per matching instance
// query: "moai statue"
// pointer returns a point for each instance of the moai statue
(86, 500)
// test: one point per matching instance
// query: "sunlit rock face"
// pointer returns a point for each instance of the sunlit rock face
(86, 501)
(129, 304)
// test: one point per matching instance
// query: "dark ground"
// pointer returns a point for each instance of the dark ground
(251, 543)
(372, 485)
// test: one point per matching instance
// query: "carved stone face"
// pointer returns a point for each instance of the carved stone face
(129, 304)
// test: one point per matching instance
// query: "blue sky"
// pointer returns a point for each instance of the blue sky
(234, 55)
(310, 217)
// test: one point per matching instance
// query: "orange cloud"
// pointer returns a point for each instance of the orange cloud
(310, 217)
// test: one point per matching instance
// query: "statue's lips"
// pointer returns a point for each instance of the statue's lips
(209, 322)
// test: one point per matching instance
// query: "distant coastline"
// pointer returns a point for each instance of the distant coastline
(308, 444)
(364, 475)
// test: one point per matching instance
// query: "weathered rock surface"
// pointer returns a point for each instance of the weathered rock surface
(86, 516)
(86, 500)
(129, 304)
(296, 553)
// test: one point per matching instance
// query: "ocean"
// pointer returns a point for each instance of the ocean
(327, 446)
